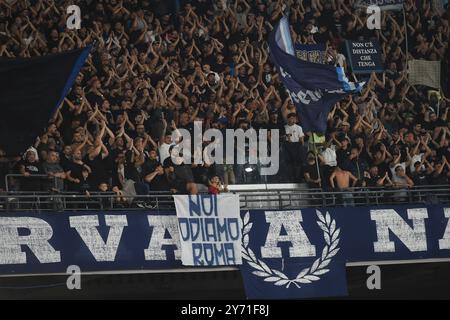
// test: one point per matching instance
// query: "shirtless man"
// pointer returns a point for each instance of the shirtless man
(343, 179)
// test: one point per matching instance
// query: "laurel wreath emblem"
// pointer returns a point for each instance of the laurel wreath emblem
(307, 275)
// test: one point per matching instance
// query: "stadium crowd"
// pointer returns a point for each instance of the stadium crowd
(157, 66)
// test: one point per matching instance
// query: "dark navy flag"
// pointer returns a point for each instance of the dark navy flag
(282, 261)
(313, 87)
(31, 89)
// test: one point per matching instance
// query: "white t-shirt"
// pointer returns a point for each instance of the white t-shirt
(329, 156)
(295, 132)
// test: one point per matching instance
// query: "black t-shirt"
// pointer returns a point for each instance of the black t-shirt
(76, 170)
(326, 18)
(433, 124)
(364, 155)
(200, 174)
(372, 181)
(131, 171)
(383, 167)
(440, 179)
(84, 185)
(208, 59)
(275, 126)
(357, 167)
(311, 169)
(342, 157)
(4, 170)
(32, 167)
(30, 183)
(148, 167)
(420, 179)
(101, 168)
(52, 43)
(184, 172)
(443, 152)
(65, 163)
(160, 183)
(188, 72)
(94, 98)
(218, 67)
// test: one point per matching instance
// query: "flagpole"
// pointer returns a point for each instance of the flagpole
(317, 160)
(406, 36)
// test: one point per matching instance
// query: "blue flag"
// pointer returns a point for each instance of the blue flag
(314, 88)
(31, 90)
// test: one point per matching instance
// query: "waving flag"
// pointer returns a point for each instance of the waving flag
(425, 73)
(313, 87)
(31, 89)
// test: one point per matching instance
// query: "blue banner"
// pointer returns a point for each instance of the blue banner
(31, 90)
(282, 261)
(50, 242)
(383, 4)
(301, 253)
(315, 53)
(286, 254)
(314, 88)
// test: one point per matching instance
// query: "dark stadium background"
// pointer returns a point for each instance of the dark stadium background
(405, 281)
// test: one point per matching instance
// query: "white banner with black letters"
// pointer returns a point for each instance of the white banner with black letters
(210, 229)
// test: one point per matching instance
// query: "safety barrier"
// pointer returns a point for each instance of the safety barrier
(277, 199)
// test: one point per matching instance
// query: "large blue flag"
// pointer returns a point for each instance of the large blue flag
(31, 89)
(313, 87)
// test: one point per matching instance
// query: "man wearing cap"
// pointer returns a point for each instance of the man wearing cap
(343, 153)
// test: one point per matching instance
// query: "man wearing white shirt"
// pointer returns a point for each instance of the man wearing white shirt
(329, 157)
(293, 146)
(166, 141)
(164, 147)
(328, 160)
(294, 133)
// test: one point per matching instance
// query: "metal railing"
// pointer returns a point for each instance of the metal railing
(43, 179)
(250, 199)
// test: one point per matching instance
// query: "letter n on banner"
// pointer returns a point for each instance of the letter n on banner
(210, 229)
